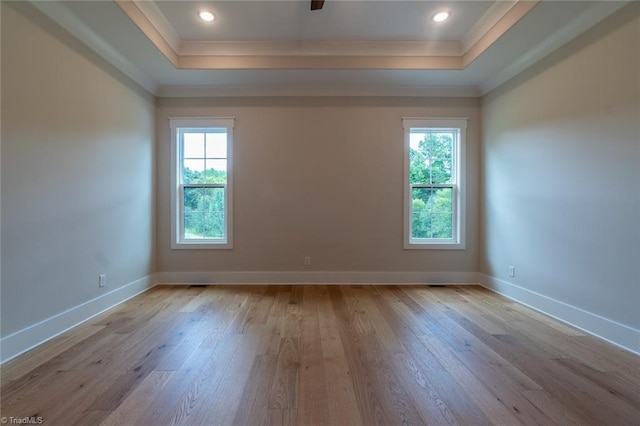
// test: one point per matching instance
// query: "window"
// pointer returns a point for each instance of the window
(434, 183)
(202, 188)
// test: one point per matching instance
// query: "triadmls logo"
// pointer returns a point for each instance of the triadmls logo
(29, 420)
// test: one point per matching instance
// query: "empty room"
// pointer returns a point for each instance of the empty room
(339, 212)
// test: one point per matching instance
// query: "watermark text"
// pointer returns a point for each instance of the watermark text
(29, 420)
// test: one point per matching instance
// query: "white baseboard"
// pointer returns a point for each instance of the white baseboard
(21, 341)
(34, 335)
(316, 277)
(604, 328)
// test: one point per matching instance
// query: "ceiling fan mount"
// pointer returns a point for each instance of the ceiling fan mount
(317, 4)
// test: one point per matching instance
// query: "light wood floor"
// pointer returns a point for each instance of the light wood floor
(314, 355)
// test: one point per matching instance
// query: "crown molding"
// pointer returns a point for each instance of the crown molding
(321, 62)
(270, 90)
(321, 48)
(569, 31)
(149, 29)
(308, 55)
(154, 16)
(57, 12)
(412, 55)
(490, 18)
(492, 33)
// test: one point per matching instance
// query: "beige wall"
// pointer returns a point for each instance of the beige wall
(318, 177)
(561, 148)
(77, 173)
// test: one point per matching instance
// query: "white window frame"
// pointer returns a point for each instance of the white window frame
(177, 188)
(458, 203)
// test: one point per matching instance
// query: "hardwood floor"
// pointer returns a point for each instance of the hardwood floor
(315, 355)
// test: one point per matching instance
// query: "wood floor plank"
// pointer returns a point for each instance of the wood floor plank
(192, 384)
(252, 296)
(206, 323)
(44, 378)
(283, 393)
(387, 400)
(341, 398)
(138, 401)
(472, 311)
(476, 350)
(32, 359)
(222, 402)
(503, 380)
(571, 389)
(260, 313)
(550, 337)
(405, 317)
(313, 405)
(283, 417)
(431, 408)
(323, 355)
(204, 297)
(553, 408)
(254, 403)
(548, 321)
(370, 403)
(47, 404)
(381, 328)
(276, 322)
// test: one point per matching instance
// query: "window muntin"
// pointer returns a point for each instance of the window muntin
(202, 199)
(434, 205)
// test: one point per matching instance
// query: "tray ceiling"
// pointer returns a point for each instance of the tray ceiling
(350, 47)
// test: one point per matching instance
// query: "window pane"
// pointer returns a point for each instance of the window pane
(431, 213)
(420, 218)
(216, 171)
(216, 144)
(193, 226)
(431, 157)
(204, 213)
(214, 225)
(441, 226)
(193, 171)
(193, 145)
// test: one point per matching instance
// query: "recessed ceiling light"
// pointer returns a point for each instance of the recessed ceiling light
(441, 16)
(207, 16)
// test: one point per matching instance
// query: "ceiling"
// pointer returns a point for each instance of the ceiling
(350, 47)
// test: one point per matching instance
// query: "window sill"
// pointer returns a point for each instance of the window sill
(205, 245)
(434, 246)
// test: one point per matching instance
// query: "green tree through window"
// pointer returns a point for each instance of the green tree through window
(434, 183)
(431, 164)
(204, 175)
(202, 199)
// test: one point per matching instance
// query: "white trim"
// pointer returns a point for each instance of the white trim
(28, 338)
(458, 241)
(346, 52)
(618, 334)
(317, 89)
(613, 332)
(315, 277)
(446, 122)
(581, 23)
(175, 124)
(62, 16)
(482, 26)
(152, 12)
(390, 48)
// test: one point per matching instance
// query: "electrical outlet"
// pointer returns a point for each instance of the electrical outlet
(512, 271)
(307, 260)
(102, 280)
